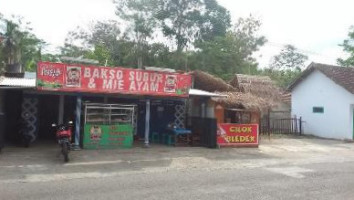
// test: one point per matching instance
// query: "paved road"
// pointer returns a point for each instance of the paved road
(281, 169)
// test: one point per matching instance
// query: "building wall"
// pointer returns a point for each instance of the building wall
(196, 107)
(210, 109)
(320, 91)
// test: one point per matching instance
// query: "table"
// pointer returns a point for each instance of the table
(181, 136)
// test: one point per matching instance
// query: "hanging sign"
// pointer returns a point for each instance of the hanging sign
(79, 78)
(244, 135)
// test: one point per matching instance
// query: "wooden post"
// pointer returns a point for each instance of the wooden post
(268, 122)
(300, 121)
(296, 130)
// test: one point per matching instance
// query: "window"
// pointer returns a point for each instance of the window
(318, 110)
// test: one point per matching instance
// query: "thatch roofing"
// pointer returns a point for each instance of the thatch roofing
(242, 101)
(235, 98)
(286, 97)
(210, 83)
(260, 86)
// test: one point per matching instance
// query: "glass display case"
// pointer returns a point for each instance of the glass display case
(106, 114)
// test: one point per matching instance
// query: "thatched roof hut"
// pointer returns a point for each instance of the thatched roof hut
(286, 98)
(241, 100)
(235, 98)
(210, 83)
(260, 86)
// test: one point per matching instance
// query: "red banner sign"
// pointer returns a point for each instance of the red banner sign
(79, 78)
(238, 135)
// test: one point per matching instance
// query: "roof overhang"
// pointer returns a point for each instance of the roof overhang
(196, 92)
(303, 75)
(7, 82)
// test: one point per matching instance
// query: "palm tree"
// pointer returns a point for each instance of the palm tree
(21, 49)
(12, 47)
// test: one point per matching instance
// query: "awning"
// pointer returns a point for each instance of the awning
(196, 92)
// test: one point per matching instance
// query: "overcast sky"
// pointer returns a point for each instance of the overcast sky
(315, 27)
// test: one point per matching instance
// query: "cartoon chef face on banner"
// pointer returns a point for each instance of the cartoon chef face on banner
(171, 83)
(73, 76)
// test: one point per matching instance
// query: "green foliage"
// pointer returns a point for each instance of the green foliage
(232, 53)
(50, 57)
(214, 22)
(189, 20)
(286, 66)
(289, 58)
(20, 45)
(348, 46)
(217, 48)
(140, 14)
(283, 78)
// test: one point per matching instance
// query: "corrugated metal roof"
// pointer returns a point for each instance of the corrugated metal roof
(160, 69)
(28, 81)
(196, 92)
(17, 82)
(30, 75)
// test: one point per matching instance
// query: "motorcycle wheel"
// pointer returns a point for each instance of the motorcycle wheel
(65, 151)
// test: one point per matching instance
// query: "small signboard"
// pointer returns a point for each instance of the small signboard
(117, 80)
(108, 136)
(238, 135)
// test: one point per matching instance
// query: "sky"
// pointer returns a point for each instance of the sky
(315, 27)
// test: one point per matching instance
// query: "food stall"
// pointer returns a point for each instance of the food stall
(111, 125)
(108, 125)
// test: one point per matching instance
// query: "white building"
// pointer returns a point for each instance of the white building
(324, 97)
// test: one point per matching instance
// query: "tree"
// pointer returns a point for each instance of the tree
(289, 58)
(215, 21)
(226, 55)
(286, 66)
(104, 43)
(348, 46)
(141, 16)
(20, 45)
(98, 42)
(189, 20)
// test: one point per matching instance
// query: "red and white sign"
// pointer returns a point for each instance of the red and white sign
(79, 78)
(243, 135)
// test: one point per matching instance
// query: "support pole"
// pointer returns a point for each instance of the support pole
(78, 122)
(300, 121)
(2, 120)
(61, 110)
(203, 110)
(105, 99)
(147, 123)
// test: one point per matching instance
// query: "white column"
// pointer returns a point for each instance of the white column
(147, 123)
(203, 109)
(78, 121)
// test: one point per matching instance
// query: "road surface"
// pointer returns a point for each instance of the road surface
(279, 169)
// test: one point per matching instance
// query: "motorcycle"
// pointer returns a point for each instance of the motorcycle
(63, 134)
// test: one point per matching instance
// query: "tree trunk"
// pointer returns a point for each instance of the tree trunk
(140, 62)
